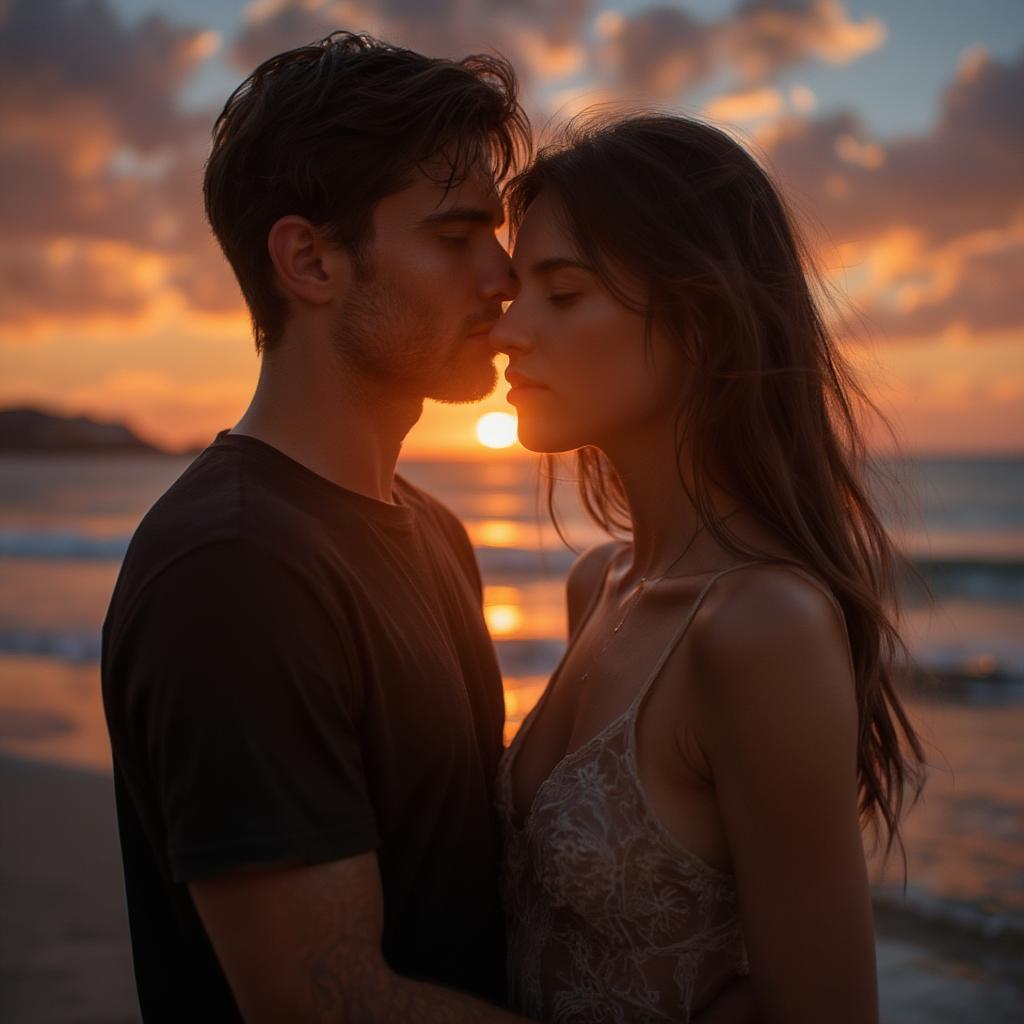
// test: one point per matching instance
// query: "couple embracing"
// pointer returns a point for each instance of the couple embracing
(317, 818)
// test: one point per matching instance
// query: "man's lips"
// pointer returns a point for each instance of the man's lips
(483, 326)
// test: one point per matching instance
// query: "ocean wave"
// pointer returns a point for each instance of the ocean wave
(509, 562)
(988, 577)
(974, 674)
(74, 645)
(921, 908)
(985, 578)
(976, 678)
(39, 545)
(517, 657)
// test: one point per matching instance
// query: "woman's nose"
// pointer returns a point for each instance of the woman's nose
(509, 334)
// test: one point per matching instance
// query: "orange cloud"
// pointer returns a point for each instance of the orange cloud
(928, 230)
(803, 99)
(664, 50)
(852, 150)
(746, 106)
(962, 176)
(100, 170)
(766, 36)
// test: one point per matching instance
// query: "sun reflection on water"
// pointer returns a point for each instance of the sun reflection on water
(496, 533)
(520, 696)
(503, 611)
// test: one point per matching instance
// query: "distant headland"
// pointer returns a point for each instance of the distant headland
(34, 431)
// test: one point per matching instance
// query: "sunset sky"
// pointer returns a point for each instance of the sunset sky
(896, 126)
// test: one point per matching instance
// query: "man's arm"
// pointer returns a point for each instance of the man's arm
(734, 1005)
(304, 944)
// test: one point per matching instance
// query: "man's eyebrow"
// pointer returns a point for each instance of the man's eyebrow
(464, 215)
(559, 263)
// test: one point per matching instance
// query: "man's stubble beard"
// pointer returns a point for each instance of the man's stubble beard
(380, 335)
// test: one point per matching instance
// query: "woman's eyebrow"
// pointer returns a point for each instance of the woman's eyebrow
(553, 263)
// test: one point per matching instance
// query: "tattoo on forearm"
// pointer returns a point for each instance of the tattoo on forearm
(349, 982)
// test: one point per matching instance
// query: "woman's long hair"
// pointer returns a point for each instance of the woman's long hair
(769, 404)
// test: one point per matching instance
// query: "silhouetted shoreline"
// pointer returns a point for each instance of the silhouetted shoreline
(26, 430)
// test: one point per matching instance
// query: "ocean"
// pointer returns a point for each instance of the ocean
(65, 523)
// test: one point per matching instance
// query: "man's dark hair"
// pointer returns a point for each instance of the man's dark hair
(328, 130)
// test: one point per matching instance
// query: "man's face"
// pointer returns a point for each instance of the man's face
(433, 281)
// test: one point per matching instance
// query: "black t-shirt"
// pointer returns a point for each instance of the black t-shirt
(294, 671)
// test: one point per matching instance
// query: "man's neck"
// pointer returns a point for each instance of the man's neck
(326, 418)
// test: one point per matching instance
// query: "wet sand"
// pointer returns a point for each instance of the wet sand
(64, 952)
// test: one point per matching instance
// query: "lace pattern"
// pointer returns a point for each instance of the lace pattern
(609, 918)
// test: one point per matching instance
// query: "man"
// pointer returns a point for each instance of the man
(304, 705)
(303, 702)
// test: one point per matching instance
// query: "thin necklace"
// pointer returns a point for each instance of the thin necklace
(643, 584)
(635, 599)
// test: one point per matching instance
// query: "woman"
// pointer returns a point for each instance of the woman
(685, 802)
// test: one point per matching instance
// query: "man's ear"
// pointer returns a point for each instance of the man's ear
(308, 267)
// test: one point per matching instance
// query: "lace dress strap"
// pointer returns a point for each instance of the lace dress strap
(681, 631)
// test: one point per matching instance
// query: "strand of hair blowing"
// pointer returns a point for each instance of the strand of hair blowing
(770, 408)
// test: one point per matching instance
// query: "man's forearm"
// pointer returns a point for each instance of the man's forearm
(733, 1005)
(375, 995)
(304, 944)
(419, 1003)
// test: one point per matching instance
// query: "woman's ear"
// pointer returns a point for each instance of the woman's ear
(309, 268)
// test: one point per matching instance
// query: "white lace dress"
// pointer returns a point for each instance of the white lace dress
(610, 919)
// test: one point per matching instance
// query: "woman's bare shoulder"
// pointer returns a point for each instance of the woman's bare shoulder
(766, 636)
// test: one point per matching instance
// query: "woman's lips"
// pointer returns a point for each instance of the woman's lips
(521, 385)
(516, 394)
(520, 382)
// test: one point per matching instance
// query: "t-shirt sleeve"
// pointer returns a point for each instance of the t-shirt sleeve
(245, 700)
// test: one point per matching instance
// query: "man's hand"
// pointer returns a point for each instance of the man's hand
(304, 944)
(733, 1005)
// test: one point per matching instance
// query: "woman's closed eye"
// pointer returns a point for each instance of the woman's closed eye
(562, 298)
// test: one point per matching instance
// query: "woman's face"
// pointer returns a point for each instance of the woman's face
(578, 365)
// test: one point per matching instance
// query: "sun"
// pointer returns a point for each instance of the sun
(496, 430)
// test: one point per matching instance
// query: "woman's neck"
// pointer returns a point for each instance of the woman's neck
(666, 523)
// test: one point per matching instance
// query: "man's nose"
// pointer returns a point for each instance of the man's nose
(500, 282)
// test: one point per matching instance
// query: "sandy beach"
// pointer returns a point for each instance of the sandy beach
(64, 950)
(65, 957)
